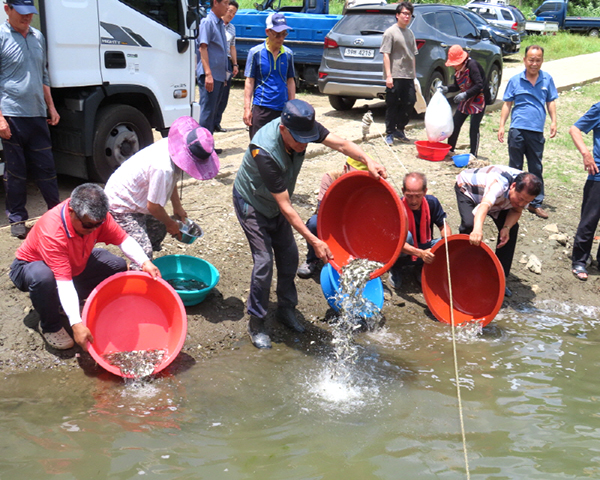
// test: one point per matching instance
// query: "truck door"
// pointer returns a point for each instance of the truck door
(139, 47)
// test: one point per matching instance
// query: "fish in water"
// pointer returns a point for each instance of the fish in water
(186, 284)
(137, 363)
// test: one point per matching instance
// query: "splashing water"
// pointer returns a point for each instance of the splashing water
(355, 312)
(469, 331)
(137, 363)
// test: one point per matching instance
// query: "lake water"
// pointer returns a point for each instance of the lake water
(530, 395)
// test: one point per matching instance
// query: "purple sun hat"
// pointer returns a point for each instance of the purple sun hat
(192, 148)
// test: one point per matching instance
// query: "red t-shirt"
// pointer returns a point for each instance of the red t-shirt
(53, 240)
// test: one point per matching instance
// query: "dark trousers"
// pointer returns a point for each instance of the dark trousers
(224, 96)
(37, 279)
(209, 103)
(268, 238)
(459, 119)
(399, 102)
(261, 116)
(311, 224)
(590, 215)
(28, 153)
(505, 253)
(531, 145)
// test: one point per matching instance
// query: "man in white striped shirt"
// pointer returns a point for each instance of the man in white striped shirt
(502, 193)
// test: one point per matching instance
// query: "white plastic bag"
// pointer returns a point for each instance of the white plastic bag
(438, 118)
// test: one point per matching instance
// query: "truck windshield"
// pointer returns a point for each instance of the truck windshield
(165, 12)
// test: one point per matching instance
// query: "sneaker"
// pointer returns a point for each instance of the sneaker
(60, 340)
(507, 292)
(389, 139)
(307, 269)
(18, 230)
(400, 135)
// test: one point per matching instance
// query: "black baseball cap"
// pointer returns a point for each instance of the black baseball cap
(298, 117)
(23, 7)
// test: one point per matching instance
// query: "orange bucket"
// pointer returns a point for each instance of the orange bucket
(477, 282)
(361, 217)
(132, 311)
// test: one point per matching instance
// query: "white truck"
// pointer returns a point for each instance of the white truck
(118, 69)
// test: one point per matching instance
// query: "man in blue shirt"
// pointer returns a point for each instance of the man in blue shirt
(211, 69)
(269, 75)
(531, 92)
(25, 104)
(590, 207)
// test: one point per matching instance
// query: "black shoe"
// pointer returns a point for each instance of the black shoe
(287, 317)
(256, 330)
(218, 151)
(395, 281)
(18, 230)
(507, 292)
(220, 129)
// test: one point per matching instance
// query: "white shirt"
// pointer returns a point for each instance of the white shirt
(147, 176)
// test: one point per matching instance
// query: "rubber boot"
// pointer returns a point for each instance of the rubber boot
(258, 335)
(287, 317)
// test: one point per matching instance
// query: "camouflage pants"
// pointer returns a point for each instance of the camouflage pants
(144, 229)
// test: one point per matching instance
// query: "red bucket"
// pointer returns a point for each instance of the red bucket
(432, 151)
(132, 311)
(477, 282)
(361, 217)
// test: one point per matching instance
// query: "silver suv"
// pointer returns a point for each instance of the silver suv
(501, 15)
(352, 67)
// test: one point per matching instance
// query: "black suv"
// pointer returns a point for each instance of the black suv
(352, 66)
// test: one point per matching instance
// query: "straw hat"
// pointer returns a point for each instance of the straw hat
(456, 56)
(192, 148)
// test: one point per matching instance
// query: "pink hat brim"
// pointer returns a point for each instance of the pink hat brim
(181, 155)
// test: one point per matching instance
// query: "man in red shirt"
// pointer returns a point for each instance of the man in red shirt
(58, 264)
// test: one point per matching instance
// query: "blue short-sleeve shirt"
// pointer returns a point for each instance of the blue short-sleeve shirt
(212, 33)
(270, 75)
(591, 121)
(529, 101)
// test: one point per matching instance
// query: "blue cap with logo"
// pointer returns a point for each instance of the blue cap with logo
(23, 7)
(277, 22)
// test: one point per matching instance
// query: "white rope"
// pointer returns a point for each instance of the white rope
(367, 121)
(460, 409)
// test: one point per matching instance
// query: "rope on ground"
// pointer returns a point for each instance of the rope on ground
(460, 409)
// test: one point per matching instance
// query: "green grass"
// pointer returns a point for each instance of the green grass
(562, 44)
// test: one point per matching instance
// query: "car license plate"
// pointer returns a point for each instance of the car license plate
(360, 52)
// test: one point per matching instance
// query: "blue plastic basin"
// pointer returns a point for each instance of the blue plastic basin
(186, 267)
(330, 284)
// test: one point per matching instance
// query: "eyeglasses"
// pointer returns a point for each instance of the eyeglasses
(406, 13)
(280, 34)
(90, 226)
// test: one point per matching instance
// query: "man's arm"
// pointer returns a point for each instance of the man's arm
(159, 212)
(424, 255)
(209, 82)
(511, 219)
(477, 233)
(503, 117)
(589, 164)
(551, 106)
(233, 53)
(248, 94)
(291, 88)
(445, 230)
(69, 300)
(387, 70)
(54, 116)
(285, 205)
(177, 207)
(350, 149)
(4, 128)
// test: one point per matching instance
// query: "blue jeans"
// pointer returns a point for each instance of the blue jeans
(405, 260)
(37, 279)
(311, 224)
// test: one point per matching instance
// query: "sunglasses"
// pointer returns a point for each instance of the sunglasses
(90, 226)
(280, 34)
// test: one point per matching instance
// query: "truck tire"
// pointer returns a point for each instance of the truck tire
(494, 82)
(435, 80)
(593, 32)
(120, 131)
(341, 103)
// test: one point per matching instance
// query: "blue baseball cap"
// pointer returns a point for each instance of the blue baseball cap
(277, 22)
(23, 7)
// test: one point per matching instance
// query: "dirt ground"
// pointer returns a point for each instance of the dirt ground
(220, 321)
